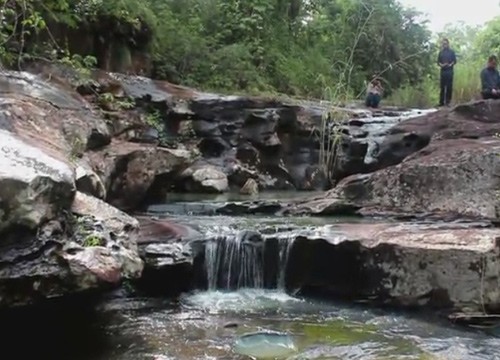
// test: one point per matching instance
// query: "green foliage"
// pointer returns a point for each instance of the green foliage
(110, 102)
(287, 46)
(297, 47)
(92, 240)
(24, 22)
(472, 44)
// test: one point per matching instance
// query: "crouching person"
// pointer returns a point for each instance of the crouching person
(373, 93)
(490, 80)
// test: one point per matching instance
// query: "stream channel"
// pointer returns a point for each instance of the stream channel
(215, 323)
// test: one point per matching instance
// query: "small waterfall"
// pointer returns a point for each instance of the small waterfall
(234, 262)
(246, 260)
(285, 245)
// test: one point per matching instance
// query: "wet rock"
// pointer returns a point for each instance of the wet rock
(163, 230)
(451, 266)
(91, 250)
(169, 268)
(476, 320)
(132, 169)
(204, 179)
(250, 188)
(266, 344)
(158, 256)
(34, 187)
(105, 226)
(165, 247)
(251, 207)
(231, 325)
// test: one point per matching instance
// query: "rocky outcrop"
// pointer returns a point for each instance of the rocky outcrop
(121, 121)
(275, 142)
(453, 266)
(130, 170)
(456, 173)
(34, 187)
(54, 242)
(449, 266)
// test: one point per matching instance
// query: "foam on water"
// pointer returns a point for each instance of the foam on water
(243, 300)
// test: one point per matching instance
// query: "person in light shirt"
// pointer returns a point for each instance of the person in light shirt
(374, 93)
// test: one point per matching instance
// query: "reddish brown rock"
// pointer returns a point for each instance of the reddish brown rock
(453, 266)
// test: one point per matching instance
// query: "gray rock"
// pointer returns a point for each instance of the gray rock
(34, 186)
(205, 179)
(159, 256)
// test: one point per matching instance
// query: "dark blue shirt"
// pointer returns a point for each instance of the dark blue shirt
(490, 79)
(447, 56)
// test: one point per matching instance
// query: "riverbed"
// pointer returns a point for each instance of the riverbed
(209, 324)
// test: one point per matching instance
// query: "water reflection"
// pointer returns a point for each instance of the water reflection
(208, 325)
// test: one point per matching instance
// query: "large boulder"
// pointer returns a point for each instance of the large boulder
(453, 266)
(129, 170)
(54, 243)
(34, 187)
(51, 245)
(203, 179)
(50, 114)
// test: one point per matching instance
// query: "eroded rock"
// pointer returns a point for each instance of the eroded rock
(49, 115)
(280, 139)
(408, 264)
(444, 165)
(129, 170)
(87, 181)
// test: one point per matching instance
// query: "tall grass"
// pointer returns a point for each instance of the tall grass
(466, 87)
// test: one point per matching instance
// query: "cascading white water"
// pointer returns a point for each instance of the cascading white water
(238, 261)
(285, 246)
(232, 262)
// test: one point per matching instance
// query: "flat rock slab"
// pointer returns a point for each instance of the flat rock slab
(408, 264)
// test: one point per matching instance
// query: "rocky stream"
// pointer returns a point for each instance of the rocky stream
(144, 220)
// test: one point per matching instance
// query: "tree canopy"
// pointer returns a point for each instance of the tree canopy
(297, 47)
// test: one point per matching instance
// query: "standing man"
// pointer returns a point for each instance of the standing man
(446, 60)
(490, 80)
